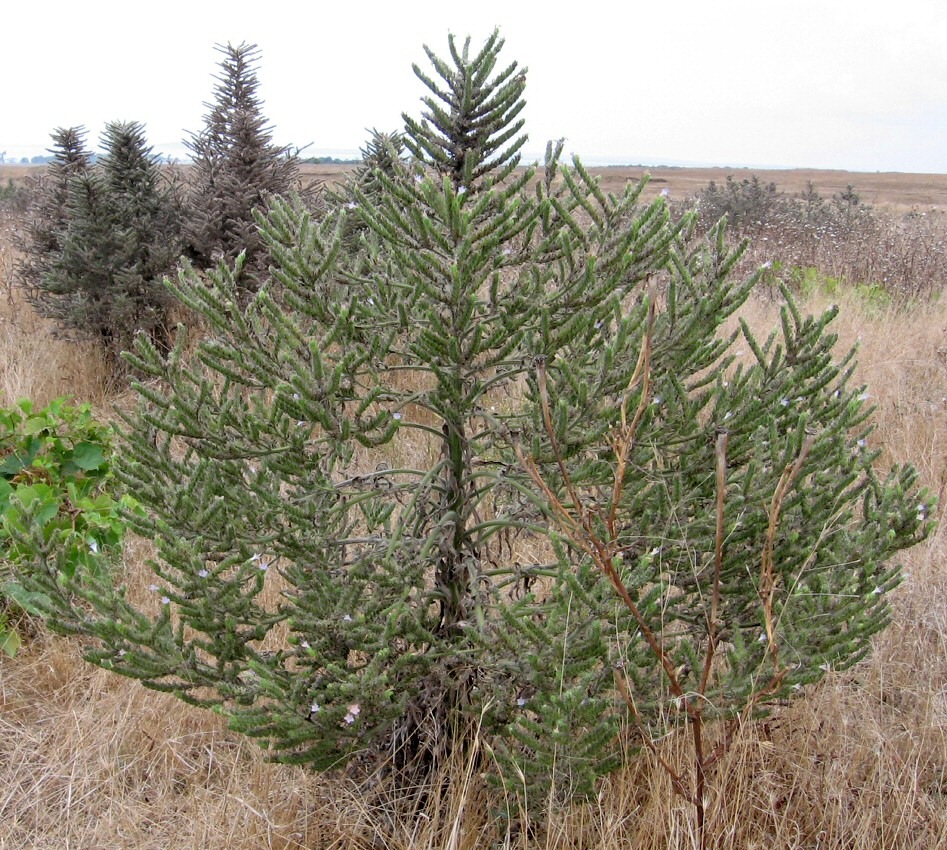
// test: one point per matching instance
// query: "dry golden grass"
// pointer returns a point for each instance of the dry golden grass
(36, 365)
(89, 760)
(898, 191)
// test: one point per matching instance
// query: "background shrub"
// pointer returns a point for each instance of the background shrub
(236, 170)
(842, 237)
(96, 264)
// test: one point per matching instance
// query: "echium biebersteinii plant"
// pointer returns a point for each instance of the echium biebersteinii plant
(376, 489)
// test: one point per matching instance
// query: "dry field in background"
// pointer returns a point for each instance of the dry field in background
(898, 191)
(89, 760)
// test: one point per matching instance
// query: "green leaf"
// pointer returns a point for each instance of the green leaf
(10, 642)
(36, 424)
(88, 456)
(39, 500)
(25, 599)
(15, 463)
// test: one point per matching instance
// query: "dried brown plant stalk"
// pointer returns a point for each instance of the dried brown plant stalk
(578, 521)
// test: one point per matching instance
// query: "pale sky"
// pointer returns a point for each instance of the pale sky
(851, 84)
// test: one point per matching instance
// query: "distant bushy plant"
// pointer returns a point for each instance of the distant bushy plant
(14, 196)
(56, 504)
(236, 169)
(490, 464)
(748, 204)
(383, 154)
(40, 239)
(104, 236)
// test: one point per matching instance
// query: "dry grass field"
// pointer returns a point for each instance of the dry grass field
(90, 761)
(895, 190)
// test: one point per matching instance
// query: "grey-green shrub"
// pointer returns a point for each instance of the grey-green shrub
(104, 237)
(354, 564)
(236, 168)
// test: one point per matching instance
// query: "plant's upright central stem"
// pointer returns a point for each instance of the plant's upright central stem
(457, 551)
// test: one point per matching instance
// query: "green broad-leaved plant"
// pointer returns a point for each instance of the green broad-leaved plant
(489, 461)
(57, 508)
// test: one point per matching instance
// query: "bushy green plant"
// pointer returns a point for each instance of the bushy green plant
(809, 281)
(56, 502)
(491, 464)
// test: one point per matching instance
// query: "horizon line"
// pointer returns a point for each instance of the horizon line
(16, 153)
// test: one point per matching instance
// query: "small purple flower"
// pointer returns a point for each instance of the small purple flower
(165, 600)
(203, 573)
(315, 708)
(521, 701)
(347, 619)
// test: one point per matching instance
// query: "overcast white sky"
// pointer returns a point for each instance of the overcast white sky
(852, 84)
